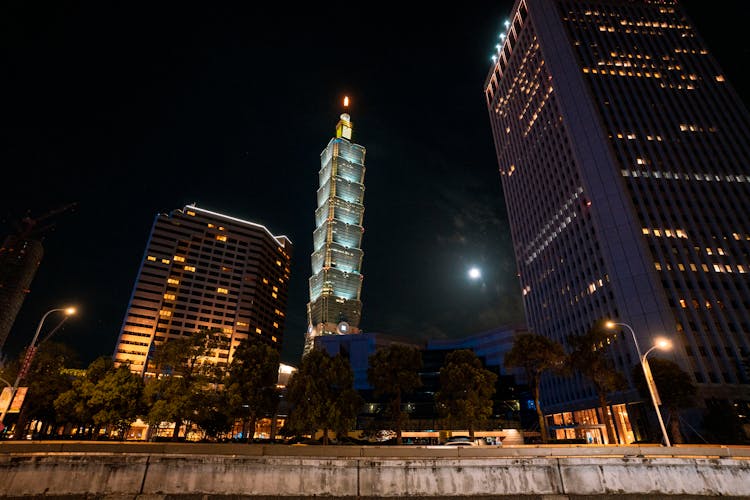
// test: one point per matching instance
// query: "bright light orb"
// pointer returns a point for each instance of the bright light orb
(475, 273)
(663, 343)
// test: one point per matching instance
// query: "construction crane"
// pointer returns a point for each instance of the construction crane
(20, 256)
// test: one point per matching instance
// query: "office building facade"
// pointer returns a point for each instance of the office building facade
(206, 270)
(335, 307)
(624, 156)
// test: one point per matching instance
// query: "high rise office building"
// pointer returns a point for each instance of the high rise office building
(336, 281)
(624, 156)
(206, 270)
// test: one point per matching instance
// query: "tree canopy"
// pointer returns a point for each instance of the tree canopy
(251, 384)
(466, 390)
(589, 356)
(535, 355)
(322, 395)
(394, 372)
(183, 371)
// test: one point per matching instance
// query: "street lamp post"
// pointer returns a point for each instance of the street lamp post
(69, 311)
(660, 344)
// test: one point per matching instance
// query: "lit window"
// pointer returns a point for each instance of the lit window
(273, 294)
(278, 262)
(683, 303)
(151, 258)
(242, 323)
(221, 228)
(226, 329)
(166, 313)
(179, 258)
(718, 268)
(191, 213)
(190, 268)
(211, 225)
(275, 289)
(693, 267)
(265, 281)
(169, 296)
(173, 281)
(646, 230)
(222, 290)
(165, 261)
(719, 78)
(258, 330)
(275, 325)
(681, 233)
(740, 268)
(657, 232)
(657, 265)
(273, 338)
(709, 251)
(221, 237)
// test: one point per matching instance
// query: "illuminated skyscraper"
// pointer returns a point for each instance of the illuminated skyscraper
(624, 156)
(206, 270)
(336, 281)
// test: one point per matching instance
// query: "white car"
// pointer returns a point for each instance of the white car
(460, 441)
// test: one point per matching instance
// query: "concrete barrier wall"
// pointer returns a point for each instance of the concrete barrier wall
(166, 470)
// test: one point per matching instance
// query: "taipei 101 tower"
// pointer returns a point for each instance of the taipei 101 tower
(336, 282)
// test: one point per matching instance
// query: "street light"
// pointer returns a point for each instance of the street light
(69, 311)
(661, 343)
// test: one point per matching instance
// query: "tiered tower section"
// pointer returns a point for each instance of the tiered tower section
(336, 282)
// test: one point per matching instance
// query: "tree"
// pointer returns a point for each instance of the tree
(536, 354)
(322, 395)
(394, 372)
(183, 369)
(117, 399)
(589, 357)
(466, 390)
(74, 406)
(251, 384)
(676, 390)
(46, 380)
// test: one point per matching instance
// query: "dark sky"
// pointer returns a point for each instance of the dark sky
(134, 110)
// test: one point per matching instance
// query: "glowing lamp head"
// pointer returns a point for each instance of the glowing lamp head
(610, 324)
(475, 273)
(70, 311)
(506, 23)
(663, 343)
(346, 101)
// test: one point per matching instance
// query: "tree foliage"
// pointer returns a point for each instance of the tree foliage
(675, 387)
(466, 390)
(251, 384)
(535, 355)
(589, 357)
(183, 370)
(45, 381)
(322, 395)
(394, 372)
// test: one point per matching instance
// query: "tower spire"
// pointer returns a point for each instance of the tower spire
(345, 127)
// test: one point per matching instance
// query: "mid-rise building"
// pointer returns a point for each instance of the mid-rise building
(336, 282)
(206, 270)
(624, 155)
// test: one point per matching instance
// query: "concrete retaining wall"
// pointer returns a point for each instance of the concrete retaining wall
(120, 470)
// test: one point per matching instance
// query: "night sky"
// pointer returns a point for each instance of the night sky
(134, 110)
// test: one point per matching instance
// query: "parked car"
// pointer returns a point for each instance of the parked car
(460, 441)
